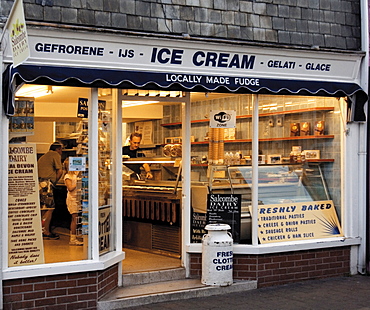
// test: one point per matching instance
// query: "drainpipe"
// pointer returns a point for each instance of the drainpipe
(3, 187)
(363, 251)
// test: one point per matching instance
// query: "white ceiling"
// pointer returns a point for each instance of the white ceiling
(66, 99)
(62, 94)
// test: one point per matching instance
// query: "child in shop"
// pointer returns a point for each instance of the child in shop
(73, 204)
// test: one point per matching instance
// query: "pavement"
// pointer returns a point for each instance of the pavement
(349, 293)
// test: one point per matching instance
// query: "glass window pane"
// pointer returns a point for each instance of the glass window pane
(213, 152)
(299, 165)
(105, 171)
(50, 218)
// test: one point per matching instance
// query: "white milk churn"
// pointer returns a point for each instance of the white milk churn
(217, 255)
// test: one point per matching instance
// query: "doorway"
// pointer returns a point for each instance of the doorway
(151, 204)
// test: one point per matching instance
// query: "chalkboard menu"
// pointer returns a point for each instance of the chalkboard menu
(198, 222)
(225, 209)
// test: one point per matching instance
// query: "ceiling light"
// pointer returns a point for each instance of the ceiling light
(151, 93)
(34, 91)
(128, 103)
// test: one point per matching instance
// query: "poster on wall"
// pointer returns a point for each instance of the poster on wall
(146, 129)
(105, 229)
(23, 119)
(225, 209)
(82, 108)
(298, 221)
(24, 221)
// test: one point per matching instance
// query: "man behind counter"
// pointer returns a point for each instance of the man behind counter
(132, 151)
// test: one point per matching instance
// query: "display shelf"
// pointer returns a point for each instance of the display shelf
(310, 161)
(298, 111)
(20, 134)
(149, 160)
(324, 160)
(149, 146)
(271, 139)
(296, 138)
(275, 182)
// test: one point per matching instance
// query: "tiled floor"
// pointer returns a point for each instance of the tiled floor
(135, 261)
(60, 251)
(138, 261)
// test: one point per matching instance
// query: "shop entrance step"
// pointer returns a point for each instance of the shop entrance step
(166, 290)
(153, 276)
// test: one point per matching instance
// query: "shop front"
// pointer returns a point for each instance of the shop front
(270, 144)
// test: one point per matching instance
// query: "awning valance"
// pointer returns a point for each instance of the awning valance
(74, 76)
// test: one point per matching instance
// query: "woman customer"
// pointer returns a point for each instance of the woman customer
(73, 204)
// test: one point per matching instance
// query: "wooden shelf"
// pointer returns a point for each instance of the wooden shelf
(327, 160)
(317, 109)
(310, 161)
(297, 138)
(271, 139)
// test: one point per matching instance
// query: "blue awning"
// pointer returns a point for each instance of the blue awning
(74, 76)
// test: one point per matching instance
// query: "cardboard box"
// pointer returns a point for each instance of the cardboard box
(295, 129)
(274, 159)
(311, 154)
(305, 128)
(262, 159)
(319, 128)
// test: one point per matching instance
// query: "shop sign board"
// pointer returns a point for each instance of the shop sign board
(298, 221)
(77, 163)
(187, 62)
(222, 119)
(16, 26)
(225, 209)
(24, 220)
(198, 224)
(105, 229)
(82, 110)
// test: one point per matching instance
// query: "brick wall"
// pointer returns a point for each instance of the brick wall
(60, 292)
(282, 268)
(333, 24)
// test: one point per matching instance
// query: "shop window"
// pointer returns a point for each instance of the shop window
(57, 115)
(299, 168)
(296, 166)
(105, 171)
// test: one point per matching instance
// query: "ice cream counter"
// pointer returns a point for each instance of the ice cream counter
(152, 208)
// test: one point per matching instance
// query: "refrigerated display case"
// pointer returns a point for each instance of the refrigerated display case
(276, 184)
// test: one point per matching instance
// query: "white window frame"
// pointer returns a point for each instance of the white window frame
(349, 212)
(94, 261)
